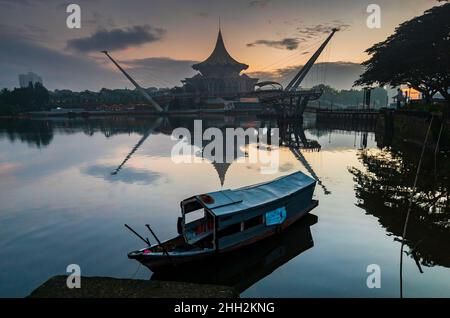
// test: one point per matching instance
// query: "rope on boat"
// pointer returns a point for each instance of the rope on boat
(405, 226)
(137, 270)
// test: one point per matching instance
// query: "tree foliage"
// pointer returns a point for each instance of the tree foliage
(417, 54)
(350, 98)
(33, 97)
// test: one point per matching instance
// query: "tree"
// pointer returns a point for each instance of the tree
(33, 97)
(417, 54)
(41, 96)
(352, 97)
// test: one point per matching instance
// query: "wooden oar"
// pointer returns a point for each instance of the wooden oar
(145, 240)
(162, 246)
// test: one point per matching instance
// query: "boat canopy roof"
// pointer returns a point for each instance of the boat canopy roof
(227, 202)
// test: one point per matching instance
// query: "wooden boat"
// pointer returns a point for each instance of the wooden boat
(244, 267)
(231, 219)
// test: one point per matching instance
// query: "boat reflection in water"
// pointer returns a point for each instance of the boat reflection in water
(244, 267)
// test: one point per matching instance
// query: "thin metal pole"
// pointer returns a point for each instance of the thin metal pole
(159, 243)
(436, 150)
(405, 226)
(145, 240)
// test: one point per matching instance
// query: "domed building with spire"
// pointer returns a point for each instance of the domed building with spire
(220, 75)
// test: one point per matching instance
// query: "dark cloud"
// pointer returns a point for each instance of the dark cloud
(9, 3)
(99, 21)
(117, 39)
(126, 175)
(302, 34)
(340, 75)
(202, 14)
(293, 21)
(27, 32)
(286, 43)
(30, 3)
(58, 69)
(62, 70)
(259, 3)
(311, 31)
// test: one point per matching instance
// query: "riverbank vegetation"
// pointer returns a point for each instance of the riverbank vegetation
(37, 97)
(32, 98)
(347, 98)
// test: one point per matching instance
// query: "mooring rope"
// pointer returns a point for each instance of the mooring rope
(137, 270)
(405, 226)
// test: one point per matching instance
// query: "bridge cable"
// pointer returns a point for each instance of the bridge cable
(288, 75)
(285, 58)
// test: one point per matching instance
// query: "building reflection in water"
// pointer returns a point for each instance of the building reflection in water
(290, 135)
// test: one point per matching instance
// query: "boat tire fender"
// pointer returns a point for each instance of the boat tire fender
(180, 225)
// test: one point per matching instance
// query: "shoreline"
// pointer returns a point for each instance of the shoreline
(108, 287)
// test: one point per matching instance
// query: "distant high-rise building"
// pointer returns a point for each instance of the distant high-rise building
(26, 79)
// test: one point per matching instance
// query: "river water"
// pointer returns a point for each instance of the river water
(67, 186)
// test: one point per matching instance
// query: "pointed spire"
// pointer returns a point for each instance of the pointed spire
(221, 169)
(220, 57)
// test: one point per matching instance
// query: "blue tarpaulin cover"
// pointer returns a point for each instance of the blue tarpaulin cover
(232, 201)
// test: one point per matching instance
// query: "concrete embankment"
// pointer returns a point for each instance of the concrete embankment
(107, 287)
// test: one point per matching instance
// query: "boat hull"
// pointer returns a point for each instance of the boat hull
(158, 261)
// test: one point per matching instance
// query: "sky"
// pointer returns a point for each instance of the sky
(157, 41)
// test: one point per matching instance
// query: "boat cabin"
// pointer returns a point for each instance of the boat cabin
(231, 218)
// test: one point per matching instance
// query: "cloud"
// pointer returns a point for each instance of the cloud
(27, 32)
(286, 43)
(30, 3)
(311, 31)
(302, 34)
(202, 14)
(58, 69)
(62, 70)
(99, 21)
(15, 2)
(126, 175)
(117, 39)
(259, 3)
